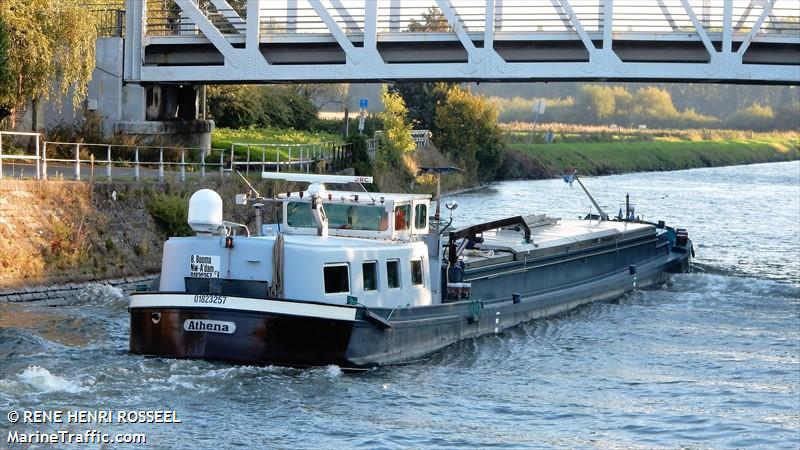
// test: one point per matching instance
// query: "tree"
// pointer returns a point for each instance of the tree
(467, 128)
(597, 102)
(753, 117)
(396, 138)
(394, 159)
(266, 106)
(234, 106)
(421, 100)
(321, 94)
(5, 75)
(601, 104)
(50, 50)
(654, 105)
(432, 20)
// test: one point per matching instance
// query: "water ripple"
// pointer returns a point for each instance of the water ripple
(711, 360)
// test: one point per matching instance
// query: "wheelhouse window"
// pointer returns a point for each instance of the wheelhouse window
(298, 214)
(416, 272)
(370, 274)
(341, 216)
(345, 216)
(393, 273)
(420, 217)
(337, 279)
(402, 217)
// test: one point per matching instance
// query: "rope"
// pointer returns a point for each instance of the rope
(276, 290)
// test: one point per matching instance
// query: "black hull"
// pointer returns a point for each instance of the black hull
(377, 336)
(259, 339)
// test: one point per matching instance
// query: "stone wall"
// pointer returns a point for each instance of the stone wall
(64, 231)
(54, 234)
(60, 294)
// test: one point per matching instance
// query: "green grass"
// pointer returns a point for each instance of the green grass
(223, 138)
(660, 154)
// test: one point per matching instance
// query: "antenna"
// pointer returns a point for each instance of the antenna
(314, 178)
(367, 192)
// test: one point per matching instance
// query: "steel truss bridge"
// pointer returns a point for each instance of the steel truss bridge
(276, 41)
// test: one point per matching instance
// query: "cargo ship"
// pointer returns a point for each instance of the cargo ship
(361, 279)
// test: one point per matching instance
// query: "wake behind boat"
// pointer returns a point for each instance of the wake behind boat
(363, 279)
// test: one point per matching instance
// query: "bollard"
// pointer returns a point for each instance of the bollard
(232, 167)
(136, 163)
(161, 164)
(108, 163)
(44, 160)
(38, 167)
(78, 162)
(247, 169)
(183, 165)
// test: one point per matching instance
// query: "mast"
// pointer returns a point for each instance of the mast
(603, 215)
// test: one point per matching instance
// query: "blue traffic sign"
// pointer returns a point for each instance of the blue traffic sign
(362, 103)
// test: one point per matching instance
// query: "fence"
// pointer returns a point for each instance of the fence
(110, 22)
(421, 138)
(79, 160)
(21, 156)
(133, 160)
(372, 148)
(276, 156)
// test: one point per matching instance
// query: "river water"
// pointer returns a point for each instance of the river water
(712, 360)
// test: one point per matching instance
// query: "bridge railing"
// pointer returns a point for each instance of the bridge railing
(110, 22)
(165, 18)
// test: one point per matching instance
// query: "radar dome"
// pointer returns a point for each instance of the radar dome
(205, 211)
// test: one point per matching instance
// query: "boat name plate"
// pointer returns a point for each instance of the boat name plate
(210, 326)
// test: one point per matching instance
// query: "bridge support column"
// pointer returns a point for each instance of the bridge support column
(166, 114)
(171, 102)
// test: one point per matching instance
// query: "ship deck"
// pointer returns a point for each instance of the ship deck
(550, 236)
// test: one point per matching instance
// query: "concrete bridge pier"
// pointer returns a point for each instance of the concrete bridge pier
(151, 113)
(164, 113)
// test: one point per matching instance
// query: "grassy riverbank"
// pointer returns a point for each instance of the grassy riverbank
(225, 137)
(598, 158)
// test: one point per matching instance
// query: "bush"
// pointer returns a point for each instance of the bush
(233, 106)
(466, 128)
(245, 106)
(362, 164)
(753, 117)
(170, 213)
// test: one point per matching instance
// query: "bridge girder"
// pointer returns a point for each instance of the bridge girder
(748, 41)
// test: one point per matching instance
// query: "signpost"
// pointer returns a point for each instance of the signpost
(538, 108)
(362, 103)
